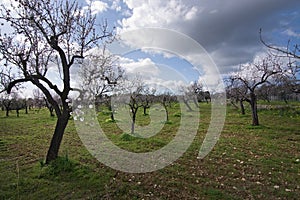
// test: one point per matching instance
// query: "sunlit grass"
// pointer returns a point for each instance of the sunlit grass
(247, 162)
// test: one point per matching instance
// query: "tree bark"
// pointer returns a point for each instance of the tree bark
(57, 137)
(134, 111)
(187, 105)
(7, 112)
(196, 102)
(167, 112)
(112, 117)
(242, 107)
(133, 123)
(253, 103)
(145, 110)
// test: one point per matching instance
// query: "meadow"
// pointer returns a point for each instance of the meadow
(248, 162)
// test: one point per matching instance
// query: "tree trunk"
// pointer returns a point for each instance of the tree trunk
(133, 120)
(112, 117)
(187, 105)
(61, 124)
(196, 102)
(7, 112)
(145, 110)
(234, 105)
(132, 124)
(110, 108)
(242, 107)
(253, 103)
(51, 111)
(167, 112)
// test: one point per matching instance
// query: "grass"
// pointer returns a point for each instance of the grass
(247, 162)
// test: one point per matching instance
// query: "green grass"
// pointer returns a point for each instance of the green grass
(247, 162)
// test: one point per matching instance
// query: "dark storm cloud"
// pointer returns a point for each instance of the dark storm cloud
(229, 30)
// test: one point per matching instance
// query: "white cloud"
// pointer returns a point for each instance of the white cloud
(158, 13)
(145, 67)
(290, 32)
(228, 30)
(191, 14)
(163, 40)
(97, 6)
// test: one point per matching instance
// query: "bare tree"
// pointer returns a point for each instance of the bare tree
(291, 53)
(192, 92)
(253, 75)
(12, 101)
(6, 103)
(17, 103)
(147, 98)
(166, 101)
(44, 34)
(100, 73)
(237, 93)
(130, 94)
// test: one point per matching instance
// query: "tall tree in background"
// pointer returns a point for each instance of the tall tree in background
(253, 75)
(43, 34)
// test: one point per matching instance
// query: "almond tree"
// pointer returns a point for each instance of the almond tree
(44, 34)
(291, 53)
(7, 102)
(130, 93)
(252, 76)
(166, 102)
(99, 75)
(237, 93)
(147, 98)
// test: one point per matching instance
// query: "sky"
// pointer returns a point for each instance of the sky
(226, 30)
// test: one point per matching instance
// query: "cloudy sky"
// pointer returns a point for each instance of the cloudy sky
(227, 29)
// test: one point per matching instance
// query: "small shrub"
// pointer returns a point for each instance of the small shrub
(177, 115)
(127, 137)
(109, 121)
(168, 122)
(60, 165)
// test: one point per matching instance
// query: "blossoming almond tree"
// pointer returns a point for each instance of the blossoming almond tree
(45, 33)
(252, 75)
(291, 53)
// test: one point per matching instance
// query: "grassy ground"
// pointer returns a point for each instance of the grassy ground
(247, 162)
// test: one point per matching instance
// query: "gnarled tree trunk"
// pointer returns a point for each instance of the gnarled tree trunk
(57, 137)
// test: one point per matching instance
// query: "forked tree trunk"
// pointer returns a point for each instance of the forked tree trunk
(57, 137)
